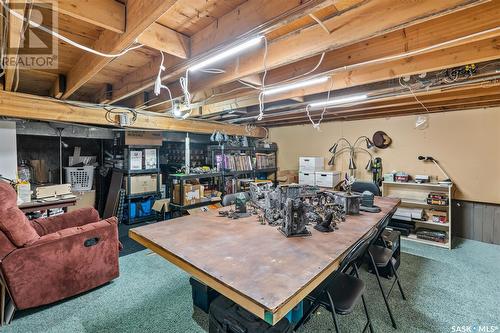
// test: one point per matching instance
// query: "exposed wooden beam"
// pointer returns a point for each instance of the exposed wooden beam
(26, 106)
(107, 14)
(456, 96)
(464, 104)
(140, 15)
(164, 39)
(356, 25)
(254, 79)
(250, 18)
(14, 42)
(421, 36)
(58, 87)
(402, 102)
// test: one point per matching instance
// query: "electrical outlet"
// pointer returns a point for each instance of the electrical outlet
(124, 119)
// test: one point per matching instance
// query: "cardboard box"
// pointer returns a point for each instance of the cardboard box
(192, 194)
(161, 206)
(84, 200)
(135, 162)
(52, 190)
(291, 176)
(143, 138)
(142, 184)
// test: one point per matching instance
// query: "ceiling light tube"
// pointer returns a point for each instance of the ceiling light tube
(226, 54)
(336, 101)
(295, 85)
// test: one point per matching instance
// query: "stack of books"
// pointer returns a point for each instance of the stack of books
(404, 219)
(432, 235)
(236, 162)
(265, 161)
(437, 199)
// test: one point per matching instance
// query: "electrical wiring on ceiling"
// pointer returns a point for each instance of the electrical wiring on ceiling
(66, 39)
(308, 107)
(413, 93)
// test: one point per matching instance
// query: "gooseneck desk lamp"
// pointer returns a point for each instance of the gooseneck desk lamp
(351, 148)
(446, 181)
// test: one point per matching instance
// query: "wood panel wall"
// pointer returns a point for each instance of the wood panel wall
(477, 221)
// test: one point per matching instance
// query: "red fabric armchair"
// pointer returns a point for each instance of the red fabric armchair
(47, 260)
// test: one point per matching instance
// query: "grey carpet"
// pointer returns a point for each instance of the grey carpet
(444, 289)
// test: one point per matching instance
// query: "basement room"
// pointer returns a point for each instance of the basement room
(249, 166)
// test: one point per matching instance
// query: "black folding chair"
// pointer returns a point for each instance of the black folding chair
(381, 256)
(341, 291)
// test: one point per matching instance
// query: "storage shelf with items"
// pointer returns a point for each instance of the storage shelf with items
(242, 163)
(141, 182)
(193, 190)
(424, 215)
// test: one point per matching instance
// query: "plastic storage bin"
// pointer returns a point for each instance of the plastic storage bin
(306, 178)
(80, 178)
(311, 164)
(327, 179)
(202, 295)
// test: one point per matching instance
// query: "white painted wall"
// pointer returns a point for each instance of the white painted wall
(8, 149)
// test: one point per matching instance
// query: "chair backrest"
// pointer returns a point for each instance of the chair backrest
(360, 187)
(358, 250)
(230, 199)
(383, 224)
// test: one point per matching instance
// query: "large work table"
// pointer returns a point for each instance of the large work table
(253, 264)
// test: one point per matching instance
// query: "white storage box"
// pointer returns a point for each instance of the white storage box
(327, 178)
(311, 164)
(306, 178)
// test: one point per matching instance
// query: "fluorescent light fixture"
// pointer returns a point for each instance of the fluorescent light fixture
(339, 101)
(226, 54)
(295, 85)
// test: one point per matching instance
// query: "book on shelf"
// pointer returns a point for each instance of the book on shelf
(265, 161)
(409, 214)
(432, 235)
(234, 162)
(437, 199)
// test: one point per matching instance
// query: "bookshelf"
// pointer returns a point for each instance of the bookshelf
(414, 195)
(249, 162)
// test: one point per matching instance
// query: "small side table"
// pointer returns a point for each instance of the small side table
(39, 205)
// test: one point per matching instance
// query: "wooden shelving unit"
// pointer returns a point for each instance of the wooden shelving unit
(414, 195)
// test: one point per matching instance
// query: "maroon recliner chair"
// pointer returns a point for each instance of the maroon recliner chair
(46, 260)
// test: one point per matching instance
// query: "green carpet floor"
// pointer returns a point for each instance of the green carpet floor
(444, 289)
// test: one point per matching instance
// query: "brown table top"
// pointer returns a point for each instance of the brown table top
(253, 264)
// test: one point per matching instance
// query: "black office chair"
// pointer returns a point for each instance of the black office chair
(230, 199)
(341, 291)
(360, 187)
(381, 256)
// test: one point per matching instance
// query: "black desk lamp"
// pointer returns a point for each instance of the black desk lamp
(446, 181)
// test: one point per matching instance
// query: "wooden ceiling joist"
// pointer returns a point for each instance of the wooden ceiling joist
(164, 39)
(404, 100)
(26, 106)
(479, 51)
(14, 42)
(397, 43)
(356, 25)
(107, 14)
(456, 98)
(140, 15)
(251, 18)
